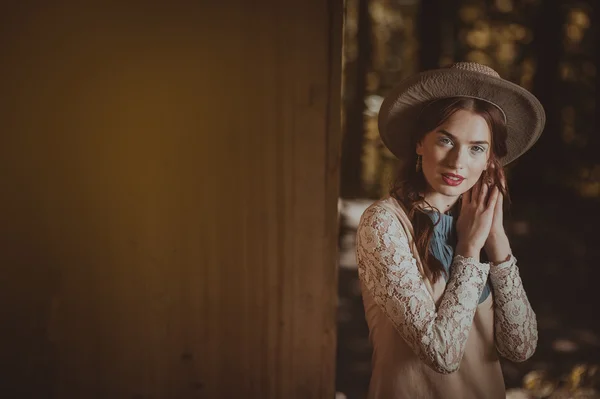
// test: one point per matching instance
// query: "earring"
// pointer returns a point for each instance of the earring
(419, 163)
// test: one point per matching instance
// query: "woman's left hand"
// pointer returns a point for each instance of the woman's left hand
(497, 246)
(498, 221)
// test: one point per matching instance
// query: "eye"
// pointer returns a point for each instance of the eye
(478, 149)
(444, 140)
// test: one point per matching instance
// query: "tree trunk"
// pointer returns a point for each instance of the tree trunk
(351, 164)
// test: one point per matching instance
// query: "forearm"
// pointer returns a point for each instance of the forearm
(458, 306)
(497, 248)
(514, 319)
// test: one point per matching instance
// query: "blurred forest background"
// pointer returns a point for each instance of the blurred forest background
(548, 47)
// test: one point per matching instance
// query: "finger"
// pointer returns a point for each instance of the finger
(494, 197)
(502, 179)
(499, 202)
(475, 192)
(466, 198)
(483, 195)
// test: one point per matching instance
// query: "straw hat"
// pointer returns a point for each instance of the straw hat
(399, 112)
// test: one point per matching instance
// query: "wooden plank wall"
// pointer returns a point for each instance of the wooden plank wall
(168, 211)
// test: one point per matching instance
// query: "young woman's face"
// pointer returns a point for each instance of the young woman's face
(455, 154)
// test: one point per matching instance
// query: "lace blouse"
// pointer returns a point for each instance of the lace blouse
(437, 330)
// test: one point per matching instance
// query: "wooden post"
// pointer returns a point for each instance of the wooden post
(169, 209)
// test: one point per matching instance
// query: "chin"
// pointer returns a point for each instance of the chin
(450, 191)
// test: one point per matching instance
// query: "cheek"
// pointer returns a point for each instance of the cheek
(431, 166)
(435, 156)
(477, 167)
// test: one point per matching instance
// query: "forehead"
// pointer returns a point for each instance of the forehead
(466, 126)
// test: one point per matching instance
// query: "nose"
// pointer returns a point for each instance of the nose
(457, 158)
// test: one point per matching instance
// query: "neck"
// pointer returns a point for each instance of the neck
(440, 201)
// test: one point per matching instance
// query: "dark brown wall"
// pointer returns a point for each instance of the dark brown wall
(168, 209)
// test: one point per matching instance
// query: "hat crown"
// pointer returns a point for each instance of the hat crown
(475, 67)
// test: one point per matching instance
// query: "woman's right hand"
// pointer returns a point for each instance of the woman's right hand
(475, 220)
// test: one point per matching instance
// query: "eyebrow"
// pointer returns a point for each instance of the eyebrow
(445, 132)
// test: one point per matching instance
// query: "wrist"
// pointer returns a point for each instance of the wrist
(497, 248)
(496, 235)
(468, 251)
(499, 262)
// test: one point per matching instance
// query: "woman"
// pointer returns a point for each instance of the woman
(438, 315)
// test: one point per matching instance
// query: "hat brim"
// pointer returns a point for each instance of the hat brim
(399, 112)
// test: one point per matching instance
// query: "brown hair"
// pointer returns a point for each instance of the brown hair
(409, 183)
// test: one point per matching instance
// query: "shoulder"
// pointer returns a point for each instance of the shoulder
(382, 213)
(382, 245)
(376, 214)
(380, 225)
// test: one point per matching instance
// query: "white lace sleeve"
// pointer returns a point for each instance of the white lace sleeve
(389, 271)
(514, 319)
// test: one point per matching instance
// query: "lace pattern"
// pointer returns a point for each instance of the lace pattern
(390, 273)
(514, 320)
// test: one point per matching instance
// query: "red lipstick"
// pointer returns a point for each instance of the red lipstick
(452, 179)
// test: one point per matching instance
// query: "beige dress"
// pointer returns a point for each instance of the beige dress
(436, 341)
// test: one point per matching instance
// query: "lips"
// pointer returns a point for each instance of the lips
(451, 179)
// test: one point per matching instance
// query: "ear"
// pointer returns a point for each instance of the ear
(419, 149)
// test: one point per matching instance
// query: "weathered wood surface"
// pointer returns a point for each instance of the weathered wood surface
(168, 212)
